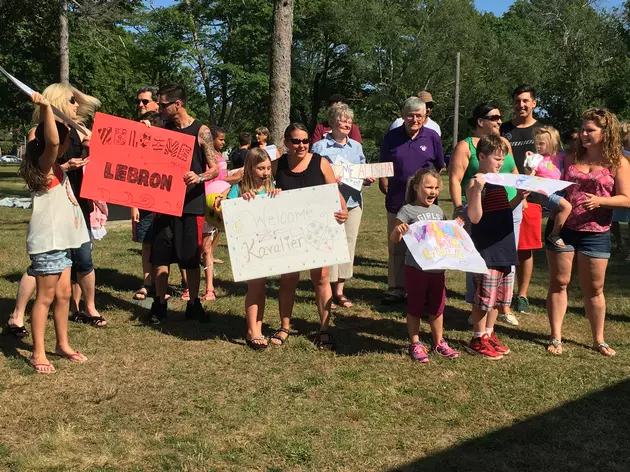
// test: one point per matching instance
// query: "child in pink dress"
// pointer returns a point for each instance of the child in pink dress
(549, 164)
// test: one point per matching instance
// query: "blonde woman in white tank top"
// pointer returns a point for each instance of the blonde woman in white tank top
(56, 225)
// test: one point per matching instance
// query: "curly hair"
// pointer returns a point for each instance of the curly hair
(611, 131)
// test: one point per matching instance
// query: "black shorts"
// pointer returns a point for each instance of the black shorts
(142, 231)
(177, 239)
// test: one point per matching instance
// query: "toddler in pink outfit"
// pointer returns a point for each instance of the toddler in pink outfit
(548, 163)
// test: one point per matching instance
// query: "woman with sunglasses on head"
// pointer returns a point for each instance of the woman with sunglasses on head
(297, 169)
(601, 178)
(79, 107)
(464, 164)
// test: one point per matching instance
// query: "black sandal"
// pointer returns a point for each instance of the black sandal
(276, 335)
(84, 318)
(325, 345)
(256, 346)
(143, 293)
(17, 331)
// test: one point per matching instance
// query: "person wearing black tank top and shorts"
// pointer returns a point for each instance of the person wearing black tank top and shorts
(298, 169)
(178, 239)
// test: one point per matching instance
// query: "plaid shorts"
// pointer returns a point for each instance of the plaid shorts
(493, 290)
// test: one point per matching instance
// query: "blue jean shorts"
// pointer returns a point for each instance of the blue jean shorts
(595, 245)
(51, 262)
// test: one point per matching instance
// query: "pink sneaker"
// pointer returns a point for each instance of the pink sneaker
(445, 350)
(418, 352)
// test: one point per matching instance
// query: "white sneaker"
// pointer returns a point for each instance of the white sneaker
(508, 318)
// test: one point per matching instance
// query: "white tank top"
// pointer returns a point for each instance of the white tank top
(57, 222)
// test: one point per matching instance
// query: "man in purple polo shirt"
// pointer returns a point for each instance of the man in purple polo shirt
(410, 147)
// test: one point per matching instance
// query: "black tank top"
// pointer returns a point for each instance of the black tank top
(75, 177)
(195, 201)
(287, 180)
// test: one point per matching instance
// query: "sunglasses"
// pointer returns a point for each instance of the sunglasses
(298, 141)
(165, 105)
(492, 117)
(144, 101)
(72, 100)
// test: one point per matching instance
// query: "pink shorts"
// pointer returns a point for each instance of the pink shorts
(493, 290)
(425, 288)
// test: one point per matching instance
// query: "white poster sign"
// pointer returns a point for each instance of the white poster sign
(528, 182)
(295, 230)
(29, 91)
(438, 245)
(354, 174)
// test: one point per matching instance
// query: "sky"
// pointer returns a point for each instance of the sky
(498, 7)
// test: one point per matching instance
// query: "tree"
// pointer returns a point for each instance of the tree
(64, 54)
(280, 74)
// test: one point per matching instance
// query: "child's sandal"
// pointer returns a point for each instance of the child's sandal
(557, 241)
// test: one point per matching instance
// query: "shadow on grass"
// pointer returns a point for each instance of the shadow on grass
(589, 434)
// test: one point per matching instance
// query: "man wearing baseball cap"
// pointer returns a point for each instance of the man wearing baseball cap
(429, 123)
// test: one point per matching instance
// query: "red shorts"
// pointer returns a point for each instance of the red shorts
(531, 228)
(425, 288)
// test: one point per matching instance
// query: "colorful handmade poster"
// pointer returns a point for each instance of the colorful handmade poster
(439, 245)
(293, 231)
(135, 166)
(528, 182)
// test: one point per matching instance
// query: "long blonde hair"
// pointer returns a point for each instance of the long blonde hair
(609, 124)
(411, 196)
(253, 157)
(58, 95)
(551, 136)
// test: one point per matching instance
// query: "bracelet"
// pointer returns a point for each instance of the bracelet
(201, 178)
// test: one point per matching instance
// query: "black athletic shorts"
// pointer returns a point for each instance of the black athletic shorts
(177, 240)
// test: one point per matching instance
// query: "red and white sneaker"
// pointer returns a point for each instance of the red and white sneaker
(498, 345)
(481, 347)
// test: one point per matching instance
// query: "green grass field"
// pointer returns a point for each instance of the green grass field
(191, 397)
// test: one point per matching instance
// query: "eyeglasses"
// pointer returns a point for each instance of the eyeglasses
(165, 104)
(297, 141)
(72, 100)
(492, 117)
(416, 117)
(144, 101)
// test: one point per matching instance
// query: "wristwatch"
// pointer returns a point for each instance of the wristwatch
(201, 178)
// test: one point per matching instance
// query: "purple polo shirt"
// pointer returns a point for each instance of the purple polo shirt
(408, 155)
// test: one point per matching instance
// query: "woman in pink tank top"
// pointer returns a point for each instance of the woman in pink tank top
(601, 182)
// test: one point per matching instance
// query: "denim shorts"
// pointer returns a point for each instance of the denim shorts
(142, 231)
(550, 203)
(595, 245)
(51, 262)
(81, 260)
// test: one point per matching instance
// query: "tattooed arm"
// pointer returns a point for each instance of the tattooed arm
(205, 142)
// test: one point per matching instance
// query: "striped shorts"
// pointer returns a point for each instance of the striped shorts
(493, 290)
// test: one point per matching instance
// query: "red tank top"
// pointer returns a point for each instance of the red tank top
(598, 182)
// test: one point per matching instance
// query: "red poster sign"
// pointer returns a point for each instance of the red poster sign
(135, 166)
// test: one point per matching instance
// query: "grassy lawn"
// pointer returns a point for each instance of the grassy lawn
(191, 397)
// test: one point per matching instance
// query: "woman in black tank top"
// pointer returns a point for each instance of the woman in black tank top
(298, 169)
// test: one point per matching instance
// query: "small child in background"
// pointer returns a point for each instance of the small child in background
(492, 231)
(548, 163)
(622, 215)
(423, 287)
(257, 180)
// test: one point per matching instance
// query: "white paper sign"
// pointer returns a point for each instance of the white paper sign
(439, 245)
(293, 231)
(354, 174)
(528, 182)
(58, 113)
(272, 151)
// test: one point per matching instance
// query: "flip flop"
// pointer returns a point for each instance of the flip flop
(76, 357)
(39, 368)
(556, 241)
(343, 301)
(256, 346)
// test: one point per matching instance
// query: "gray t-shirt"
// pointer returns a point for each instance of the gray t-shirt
(412, 213)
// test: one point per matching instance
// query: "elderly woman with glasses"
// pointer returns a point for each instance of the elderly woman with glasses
(409, 147)
(297, 169)
(485, 120)
(338, 147)
(601, 178)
